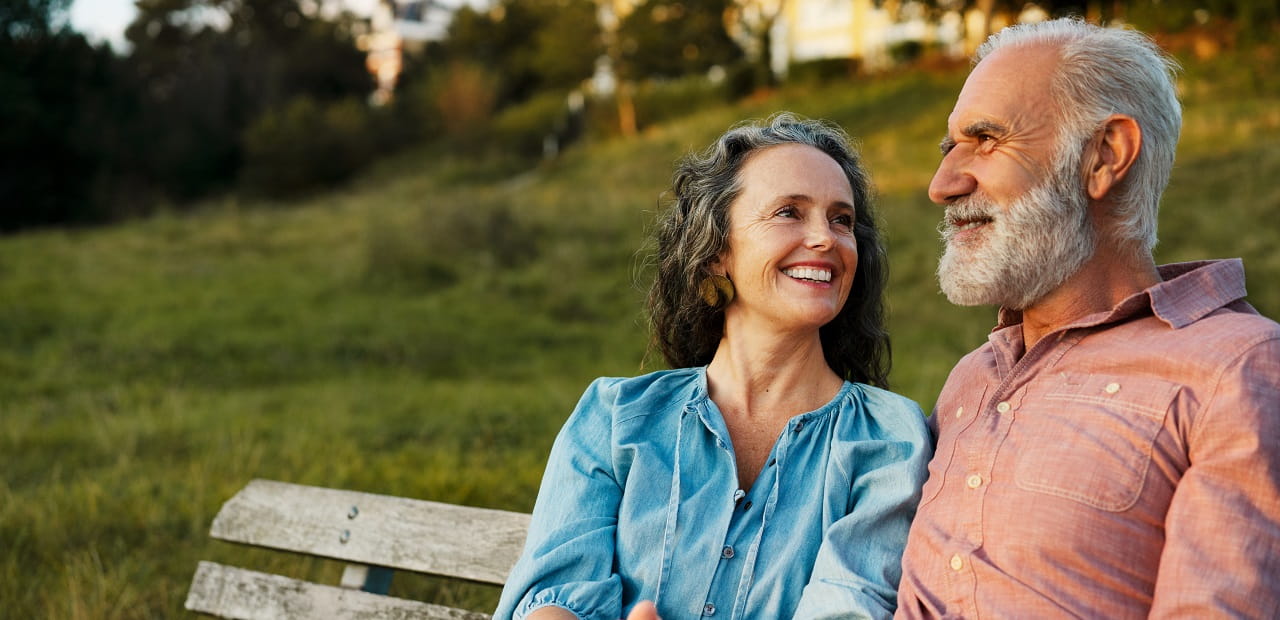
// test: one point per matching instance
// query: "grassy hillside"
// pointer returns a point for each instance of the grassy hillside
(424, 331)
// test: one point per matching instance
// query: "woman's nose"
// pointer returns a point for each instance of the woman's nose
(819, 234)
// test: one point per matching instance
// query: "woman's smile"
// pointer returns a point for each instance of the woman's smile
(813, 275)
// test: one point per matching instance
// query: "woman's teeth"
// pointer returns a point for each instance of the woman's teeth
(809, 273)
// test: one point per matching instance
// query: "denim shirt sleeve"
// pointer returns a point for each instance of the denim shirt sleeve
(859, 564)
(568, 557)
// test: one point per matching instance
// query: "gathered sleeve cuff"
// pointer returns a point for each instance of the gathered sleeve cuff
(583, 599)
(568, 558)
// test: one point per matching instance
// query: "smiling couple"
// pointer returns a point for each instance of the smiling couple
(1112, 451)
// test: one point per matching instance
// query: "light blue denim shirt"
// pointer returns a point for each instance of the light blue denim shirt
(640, 501)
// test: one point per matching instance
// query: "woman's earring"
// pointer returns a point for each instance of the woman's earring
(716, 290)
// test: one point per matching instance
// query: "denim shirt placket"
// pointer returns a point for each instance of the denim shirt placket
(688, 416)
(778, 458)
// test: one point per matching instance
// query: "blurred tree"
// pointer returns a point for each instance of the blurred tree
(754, 20)
(1256, 20)
(669, 38)
(302, 146)
(532, 45)
(464, 95)
(210, 68)
(55, 92)
(568, 44)
(30, 19)
(89, 136)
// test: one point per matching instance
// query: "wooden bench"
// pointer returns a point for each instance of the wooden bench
(376, 534)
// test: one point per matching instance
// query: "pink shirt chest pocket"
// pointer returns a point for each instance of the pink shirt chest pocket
(1090, 438)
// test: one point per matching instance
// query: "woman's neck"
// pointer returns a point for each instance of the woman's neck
(771, 375)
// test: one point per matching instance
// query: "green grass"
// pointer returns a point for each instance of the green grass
(424, 331)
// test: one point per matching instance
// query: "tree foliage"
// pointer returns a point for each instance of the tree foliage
(53, 86)
(532, 45)
(215, 82)
(90, 136)
(670, 38)
(268, 96)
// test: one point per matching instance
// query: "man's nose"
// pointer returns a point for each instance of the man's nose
(951, 181)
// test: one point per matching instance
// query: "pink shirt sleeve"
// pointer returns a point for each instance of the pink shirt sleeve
(1222, 552)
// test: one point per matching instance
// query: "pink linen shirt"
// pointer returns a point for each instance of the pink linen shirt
(1127, 466)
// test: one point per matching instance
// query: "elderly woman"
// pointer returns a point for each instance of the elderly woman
(765, 476)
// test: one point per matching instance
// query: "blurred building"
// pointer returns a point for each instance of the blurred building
(394, 27)
(871, 33)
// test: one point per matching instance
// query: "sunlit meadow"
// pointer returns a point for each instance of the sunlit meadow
(424, 330)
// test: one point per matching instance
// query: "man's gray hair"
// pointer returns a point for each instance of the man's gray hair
(1105, 71)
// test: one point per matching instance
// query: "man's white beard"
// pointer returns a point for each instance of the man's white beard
(1025, 251)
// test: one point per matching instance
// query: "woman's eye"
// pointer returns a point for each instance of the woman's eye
(787, 211)
(843, 220)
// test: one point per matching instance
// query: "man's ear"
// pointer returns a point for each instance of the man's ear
(1112, 154)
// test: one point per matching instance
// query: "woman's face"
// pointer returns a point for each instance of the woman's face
(792, 255)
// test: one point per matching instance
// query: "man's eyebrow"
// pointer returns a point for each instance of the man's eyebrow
(972, 129)
(980, 127)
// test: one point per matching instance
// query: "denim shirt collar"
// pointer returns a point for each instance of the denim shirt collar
(700, 402)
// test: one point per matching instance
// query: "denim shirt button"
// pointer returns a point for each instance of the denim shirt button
(799, 425)
(708, 610)
(727, 552)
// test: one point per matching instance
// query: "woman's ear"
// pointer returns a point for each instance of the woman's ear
(1111, 154)
(716, 266)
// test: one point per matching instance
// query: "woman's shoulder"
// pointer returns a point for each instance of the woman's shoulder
(884, 398)
(895, 412)
(649, 393)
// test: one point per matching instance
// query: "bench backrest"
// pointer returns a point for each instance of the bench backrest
(376, 533)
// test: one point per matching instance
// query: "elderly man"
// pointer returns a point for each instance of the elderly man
(1113, 450)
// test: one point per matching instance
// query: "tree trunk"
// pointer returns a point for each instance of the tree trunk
(626, 109)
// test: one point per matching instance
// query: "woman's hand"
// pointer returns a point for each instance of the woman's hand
(644, 610)
(551, 612)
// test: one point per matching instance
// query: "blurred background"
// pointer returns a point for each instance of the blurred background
(384, 245)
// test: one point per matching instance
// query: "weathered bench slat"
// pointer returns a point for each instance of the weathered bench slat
(230, 592)
(476, 544)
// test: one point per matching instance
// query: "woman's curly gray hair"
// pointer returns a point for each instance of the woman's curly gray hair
(693, 231)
